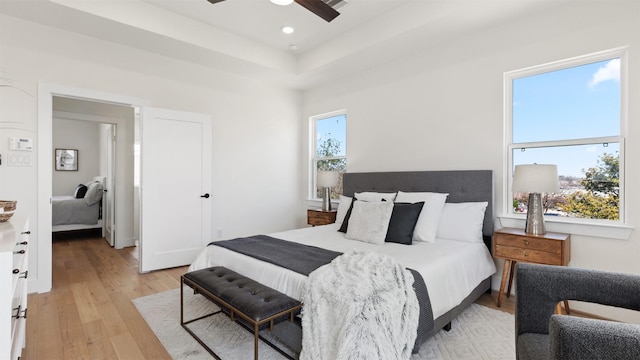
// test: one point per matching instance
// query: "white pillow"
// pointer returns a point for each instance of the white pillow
(343, 207)
(369, 221)
(429, 218)
(374, 196)
(94, 193)
(462, 221)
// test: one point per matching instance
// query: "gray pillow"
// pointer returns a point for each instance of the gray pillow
(94, 193)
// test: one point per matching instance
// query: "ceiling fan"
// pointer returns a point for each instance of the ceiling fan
(318, 7)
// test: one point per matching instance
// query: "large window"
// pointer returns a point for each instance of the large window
(329, 148)
(569, 113)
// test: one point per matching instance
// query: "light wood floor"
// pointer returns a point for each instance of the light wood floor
(89, 313)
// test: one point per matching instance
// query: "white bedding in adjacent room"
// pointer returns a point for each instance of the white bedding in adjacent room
(451, 269)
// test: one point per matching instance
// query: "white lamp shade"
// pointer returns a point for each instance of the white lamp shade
(536, 178)
(327, 178)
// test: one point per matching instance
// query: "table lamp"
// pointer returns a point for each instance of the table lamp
(535, 179)
(327, 179)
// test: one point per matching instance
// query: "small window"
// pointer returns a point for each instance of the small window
(329, 148)
(569, 113)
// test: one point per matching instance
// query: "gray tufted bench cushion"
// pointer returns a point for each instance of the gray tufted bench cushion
(256, 304)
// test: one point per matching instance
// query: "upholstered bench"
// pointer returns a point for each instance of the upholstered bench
(236, 295)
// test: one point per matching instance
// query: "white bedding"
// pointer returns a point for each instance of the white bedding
(451, 269)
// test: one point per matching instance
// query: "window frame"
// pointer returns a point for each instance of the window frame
(618, 229)
(313, 159)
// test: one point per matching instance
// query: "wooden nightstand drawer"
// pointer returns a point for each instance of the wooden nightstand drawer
(319, 217)
(528, 255)
(524, 242)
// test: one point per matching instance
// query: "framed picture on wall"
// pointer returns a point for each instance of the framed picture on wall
(66, 159)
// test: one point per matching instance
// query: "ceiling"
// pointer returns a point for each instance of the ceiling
(261, 20)
(244, 37)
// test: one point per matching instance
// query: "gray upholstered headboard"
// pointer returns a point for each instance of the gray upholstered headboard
(462, 186)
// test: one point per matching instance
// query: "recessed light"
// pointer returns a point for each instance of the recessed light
(282, 2)
(288, 29)
(293, 47)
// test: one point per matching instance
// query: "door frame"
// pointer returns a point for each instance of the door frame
(46, 92)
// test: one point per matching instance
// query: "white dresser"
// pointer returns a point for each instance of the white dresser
(14, 244)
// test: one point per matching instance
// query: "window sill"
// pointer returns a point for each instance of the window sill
(611, 231)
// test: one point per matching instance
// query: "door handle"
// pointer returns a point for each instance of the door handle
(206, 196)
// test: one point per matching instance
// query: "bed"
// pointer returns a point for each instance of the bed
(80, 211)
(456, 272)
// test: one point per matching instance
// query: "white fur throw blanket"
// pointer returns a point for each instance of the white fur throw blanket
(360, 306)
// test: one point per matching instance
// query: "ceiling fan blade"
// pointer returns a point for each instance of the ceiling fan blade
(319, 8)
(214, 1)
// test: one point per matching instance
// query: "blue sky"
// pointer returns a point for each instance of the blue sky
(574, 103)
(334, 127)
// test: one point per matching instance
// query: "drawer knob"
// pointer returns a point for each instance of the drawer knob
(19, 252)
(22, 243)
(15, 271)
(526, 242)
(26, 232)
(526, 254)
(25, 273)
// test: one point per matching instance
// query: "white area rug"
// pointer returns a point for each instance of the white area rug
(478, 333)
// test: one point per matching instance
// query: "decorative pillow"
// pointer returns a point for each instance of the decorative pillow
(369, 221)
(403, 221)
(374, 196)
(462, 221)
(343, 207)
(81, 190)
(94, 193)
(429, 219)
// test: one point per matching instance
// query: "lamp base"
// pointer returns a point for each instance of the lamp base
(535, 212)
(326, 199)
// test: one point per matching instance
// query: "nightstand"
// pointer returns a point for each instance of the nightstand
(319, 217)
(515, 245)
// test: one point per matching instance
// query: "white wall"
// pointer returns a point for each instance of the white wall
(443, 108)
(256, 128)
(83, 136)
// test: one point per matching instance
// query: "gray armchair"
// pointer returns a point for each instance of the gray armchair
(542, 335)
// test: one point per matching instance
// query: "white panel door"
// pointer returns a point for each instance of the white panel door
(175, 187)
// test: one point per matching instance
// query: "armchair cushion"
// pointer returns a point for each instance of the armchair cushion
(574, 338)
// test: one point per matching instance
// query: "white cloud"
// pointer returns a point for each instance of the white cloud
(611, 71)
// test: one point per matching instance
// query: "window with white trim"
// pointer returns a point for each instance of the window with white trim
(328, 149)
(570, 113)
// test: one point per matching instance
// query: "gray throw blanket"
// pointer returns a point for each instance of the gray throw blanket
(300, 258)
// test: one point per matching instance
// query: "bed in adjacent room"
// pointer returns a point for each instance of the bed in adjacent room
(449, 246)
(80, 211)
